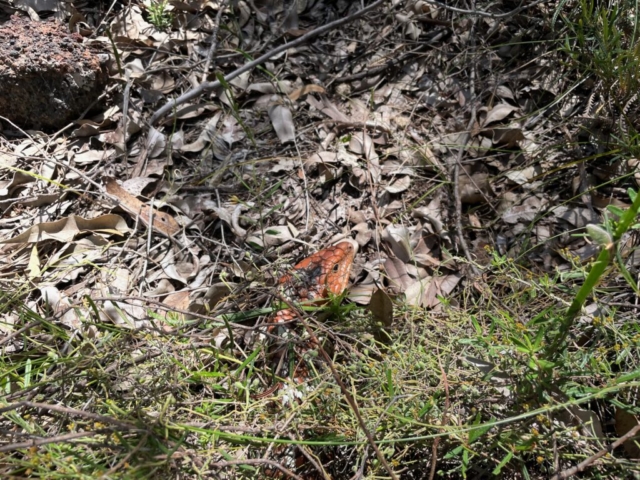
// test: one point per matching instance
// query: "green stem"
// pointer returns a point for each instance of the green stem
(604, 258)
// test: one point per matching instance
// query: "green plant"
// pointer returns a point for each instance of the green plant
(607, 237)
(159, 14)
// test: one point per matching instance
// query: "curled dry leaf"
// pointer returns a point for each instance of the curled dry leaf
(136, 185)
(425, 292)
(398, 184)
(586, 420)
(19, 178)
(505, 137)
(361, 293)
(170, 268)
(156, 143)
(499, 113)
(399, 239)
(363, 233)
(92, 156)
(417, 291)
(130, 24)
(66, 229)
(119, 279)
(361, 144)
(59, 304)
(526, 212)
(578, 217)
(321, 158)
(164, 287)
(206, 136)
(272, 236)
(269, 88)
(179, 300)
(525, 175)
(122, 314)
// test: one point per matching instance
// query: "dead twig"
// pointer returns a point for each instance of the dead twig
(589, 461)
(458, 162)
(36, 442)
(69, 411)
(482, 13)
(17, 333)
(208, 86)
(214, 40)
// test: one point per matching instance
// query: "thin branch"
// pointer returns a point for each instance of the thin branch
(214, 40)
(589, 461)
(482, 13)
(69, 411)
(17, 333)
(207, 86)
(458, 162)
(44, 441)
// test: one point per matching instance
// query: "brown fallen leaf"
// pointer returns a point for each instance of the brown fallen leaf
(66, 229)
(163, 223)
(179, 300)
(381, 308)
(397, 273)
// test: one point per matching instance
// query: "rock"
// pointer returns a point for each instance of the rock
(48, 78)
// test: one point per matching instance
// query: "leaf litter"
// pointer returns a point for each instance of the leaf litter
(337, 138)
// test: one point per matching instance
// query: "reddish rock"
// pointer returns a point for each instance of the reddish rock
(48, 78)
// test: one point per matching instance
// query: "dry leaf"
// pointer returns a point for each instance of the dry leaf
(66, 229)
(399, 239)
(399, 184)
(272, 236)
(498, 113)
(361, 293)
(206, 136)
(178, 300)
(397, 274)
(474, 189)
(282, 122)
(163, 223)
(328, 108)
(381, 308)
(417, 291)
(525, 175)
